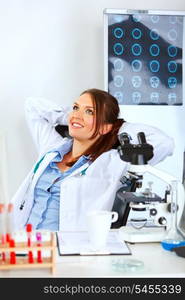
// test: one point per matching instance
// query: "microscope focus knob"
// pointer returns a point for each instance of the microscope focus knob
(153, 211)
(162, 221)
(172, 208)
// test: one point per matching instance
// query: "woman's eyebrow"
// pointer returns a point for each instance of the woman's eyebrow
(85, 106)
(89, 106)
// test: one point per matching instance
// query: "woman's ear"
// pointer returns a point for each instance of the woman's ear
(104, 129)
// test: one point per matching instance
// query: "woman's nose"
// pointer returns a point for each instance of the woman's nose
(77, 113)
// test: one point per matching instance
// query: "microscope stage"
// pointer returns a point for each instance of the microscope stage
(143, 235)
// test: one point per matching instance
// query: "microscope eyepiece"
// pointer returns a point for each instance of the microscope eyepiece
(124, 138)
(141, 138)
(137, 154)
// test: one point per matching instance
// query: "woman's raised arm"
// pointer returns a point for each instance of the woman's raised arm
(42, 116)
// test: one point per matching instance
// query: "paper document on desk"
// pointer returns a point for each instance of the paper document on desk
(77, 243)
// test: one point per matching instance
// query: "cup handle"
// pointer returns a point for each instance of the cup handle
(114, 216)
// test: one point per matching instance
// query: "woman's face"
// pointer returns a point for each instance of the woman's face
(81, 120)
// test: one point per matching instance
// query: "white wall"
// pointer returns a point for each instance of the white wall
(53, 49)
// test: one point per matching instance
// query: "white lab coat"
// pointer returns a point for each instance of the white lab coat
(79, 193)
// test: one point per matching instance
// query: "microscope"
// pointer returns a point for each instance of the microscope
(152, 214)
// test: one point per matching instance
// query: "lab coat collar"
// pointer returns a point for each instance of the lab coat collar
(65, 148)
(48, 158)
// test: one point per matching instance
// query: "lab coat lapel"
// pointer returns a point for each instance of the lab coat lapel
(48, 157)
(79, 171)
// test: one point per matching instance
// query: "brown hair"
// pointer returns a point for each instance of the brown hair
(107, 112)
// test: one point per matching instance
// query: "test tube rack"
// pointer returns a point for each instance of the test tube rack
(22, 261)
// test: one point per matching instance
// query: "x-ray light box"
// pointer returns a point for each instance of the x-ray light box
(143, 56)
(144, 70)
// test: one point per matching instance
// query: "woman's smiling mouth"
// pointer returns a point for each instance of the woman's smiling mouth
(76, 125)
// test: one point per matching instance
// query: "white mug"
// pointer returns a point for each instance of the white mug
(98, 226)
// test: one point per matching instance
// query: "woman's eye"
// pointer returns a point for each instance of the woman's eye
(75, 107)
(89, 111)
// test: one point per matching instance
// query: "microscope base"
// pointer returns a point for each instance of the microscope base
(143, 235)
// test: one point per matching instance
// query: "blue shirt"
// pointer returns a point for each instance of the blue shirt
(46, 207)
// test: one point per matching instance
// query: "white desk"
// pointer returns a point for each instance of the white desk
(157, 263)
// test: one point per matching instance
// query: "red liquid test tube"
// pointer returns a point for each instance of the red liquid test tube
(12, 253)
(30, 253)
(2, 230)
(29, 230)
(30, 257)
(9, 223)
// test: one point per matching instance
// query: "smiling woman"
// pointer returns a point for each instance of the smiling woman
(93, 124)
(82, 120)
(81, 123)
(76, 175)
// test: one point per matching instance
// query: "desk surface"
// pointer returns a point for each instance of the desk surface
(157, 263)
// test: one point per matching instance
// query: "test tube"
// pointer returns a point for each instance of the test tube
(39, 254)
(12, 253)
(30, 257)
(9, 222)
(29, 230)
(2, 229)
(30, 253)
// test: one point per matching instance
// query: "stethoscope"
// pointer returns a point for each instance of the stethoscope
(83, 172)
(30, 181)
